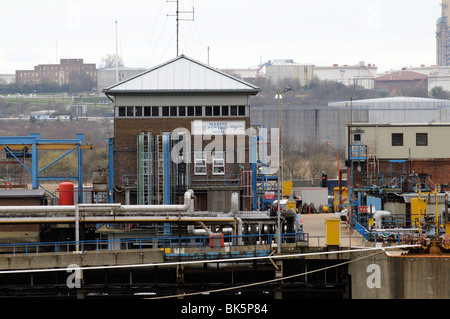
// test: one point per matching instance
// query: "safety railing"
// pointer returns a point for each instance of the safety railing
(158, 243)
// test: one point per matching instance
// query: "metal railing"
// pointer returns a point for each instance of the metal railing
(157, 243)
(169, 245)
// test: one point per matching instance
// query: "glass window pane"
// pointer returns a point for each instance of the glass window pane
(421, 139)
(224, 110)
(138, 111)
(130, 111)
(397, 139)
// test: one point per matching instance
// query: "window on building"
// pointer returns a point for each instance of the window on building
(121, 111)
(198, 111)
(182, 111)
(155, 111)
(216, 110)
(200, 163)
(138, 111)
(397, 139)
(147, 111)
(218, 163)
(421, 139)
(357, 137)
(165, 111)
(173, 111)
(233, 110)
(242, 110)
(191, 111)
(208, 111)
(224, 110)
(130, 111)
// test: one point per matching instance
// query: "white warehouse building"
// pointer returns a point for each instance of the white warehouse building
(359, 74)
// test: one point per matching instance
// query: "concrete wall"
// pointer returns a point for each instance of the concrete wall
(412, 277)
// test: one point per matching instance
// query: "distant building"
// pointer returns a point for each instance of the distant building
(279, 70)
(59, 73)
(360, 74)
(107, 76)
(402, 81)
(7, 78)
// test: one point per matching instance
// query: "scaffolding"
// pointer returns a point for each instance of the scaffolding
(20, 148)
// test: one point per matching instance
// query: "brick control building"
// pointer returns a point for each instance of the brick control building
(181, 125)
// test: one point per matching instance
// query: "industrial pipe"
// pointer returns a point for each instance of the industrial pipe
(83, 208)
(378, 215)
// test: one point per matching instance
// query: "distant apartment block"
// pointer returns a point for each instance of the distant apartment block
(59, 73)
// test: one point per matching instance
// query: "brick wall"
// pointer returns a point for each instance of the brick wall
(126, 131)
(437, 170)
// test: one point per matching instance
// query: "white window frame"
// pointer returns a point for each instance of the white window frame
(218, 161)
(200, 163)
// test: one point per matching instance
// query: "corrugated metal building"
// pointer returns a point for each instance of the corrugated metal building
(326, 124)
(178, 101)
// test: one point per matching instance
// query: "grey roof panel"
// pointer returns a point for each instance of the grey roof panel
(182, 75)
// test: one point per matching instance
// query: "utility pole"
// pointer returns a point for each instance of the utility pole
(178, 19)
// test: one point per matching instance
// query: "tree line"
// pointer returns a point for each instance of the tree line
(78, 82)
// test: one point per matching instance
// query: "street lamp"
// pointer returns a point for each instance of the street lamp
(278, 97)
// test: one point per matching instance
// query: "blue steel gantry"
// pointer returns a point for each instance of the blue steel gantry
(16, 146)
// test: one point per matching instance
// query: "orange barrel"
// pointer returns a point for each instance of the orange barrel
(66, 193)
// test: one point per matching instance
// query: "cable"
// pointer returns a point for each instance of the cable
(267, 281)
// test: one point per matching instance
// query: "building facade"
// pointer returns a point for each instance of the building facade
(397, 152)
(405, 82)
(361, 74)
(178, 126)
(59, 73)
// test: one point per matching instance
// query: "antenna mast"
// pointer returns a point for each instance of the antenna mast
(117, 58)
(178, 19)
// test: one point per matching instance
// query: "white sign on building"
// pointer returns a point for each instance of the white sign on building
(218, 127)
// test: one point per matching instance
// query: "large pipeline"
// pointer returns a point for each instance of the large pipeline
(187, 208)
(104, 213)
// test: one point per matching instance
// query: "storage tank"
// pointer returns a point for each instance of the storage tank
(66, 193)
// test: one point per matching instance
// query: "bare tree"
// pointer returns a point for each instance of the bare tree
(109, 61)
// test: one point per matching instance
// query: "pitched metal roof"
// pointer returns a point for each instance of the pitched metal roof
(182, 75)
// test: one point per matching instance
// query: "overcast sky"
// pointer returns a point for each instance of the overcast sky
(240, 33)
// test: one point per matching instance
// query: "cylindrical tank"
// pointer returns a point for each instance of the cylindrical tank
(66, 193)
